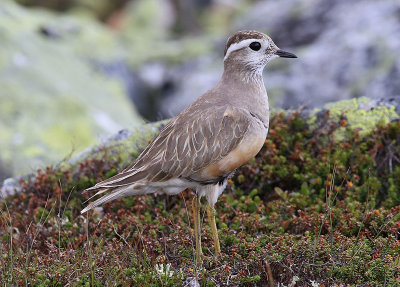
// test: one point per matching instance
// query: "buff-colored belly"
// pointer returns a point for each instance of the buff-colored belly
(242, 154)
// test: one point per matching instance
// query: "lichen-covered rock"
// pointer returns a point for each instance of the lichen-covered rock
(361, 114)
(125, 144)
(120, 149)
(53, 98)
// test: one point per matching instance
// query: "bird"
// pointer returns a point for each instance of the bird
(202, 146)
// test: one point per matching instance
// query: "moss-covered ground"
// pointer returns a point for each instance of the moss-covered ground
(307, 211)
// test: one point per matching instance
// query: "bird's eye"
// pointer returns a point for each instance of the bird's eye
(255, 46)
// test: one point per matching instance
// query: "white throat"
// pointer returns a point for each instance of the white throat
(253, 76)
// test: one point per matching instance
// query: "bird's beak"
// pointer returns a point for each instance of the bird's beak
(285, 54)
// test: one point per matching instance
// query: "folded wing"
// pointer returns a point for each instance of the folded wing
(187, 144)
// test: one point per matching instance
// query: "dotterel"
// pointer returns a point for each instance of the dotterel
(202, 146)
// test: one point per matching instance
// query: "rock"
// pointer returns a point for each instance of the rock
(361, 114)
(9, 187)
(343, 54)
(54, 98)
(123, 144)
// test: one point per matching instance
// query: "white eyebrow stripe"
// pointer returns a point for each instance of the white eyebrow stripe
(240, 45)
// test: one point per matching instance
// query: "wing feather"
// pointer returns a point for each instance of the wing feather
(187, 144)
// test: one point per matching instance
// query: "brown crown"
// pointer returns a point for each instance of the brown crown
(242, 35)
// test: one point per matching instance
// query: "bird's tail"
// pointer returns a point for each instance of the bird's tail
(126, 183)
(116, 193)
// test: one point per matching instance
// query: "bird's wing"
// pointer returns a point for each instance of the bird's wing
(188, 144)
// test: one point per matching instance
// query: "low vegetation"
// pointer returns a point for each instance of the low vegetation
(309, 210)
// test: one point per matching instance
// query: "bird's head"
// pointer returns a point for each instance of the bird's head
(251, 50)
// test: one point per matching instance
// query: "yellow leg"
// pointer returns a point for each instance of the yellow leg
(197, 228)
(214, 231)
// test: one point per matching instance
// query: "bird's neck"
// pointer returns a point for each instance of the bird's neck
(243, 87)
(239, 75)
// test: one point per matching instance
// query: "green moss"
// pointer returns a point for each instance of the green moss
(308, 204)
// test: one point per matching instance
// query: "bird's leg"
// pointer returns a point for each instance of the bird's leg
(214, 231)
(197, 228)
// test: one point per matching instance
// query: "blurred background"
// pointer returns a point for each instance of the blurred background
(73, 72)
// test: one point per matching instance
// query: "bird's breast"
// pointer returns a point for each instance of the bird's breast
(242, 154)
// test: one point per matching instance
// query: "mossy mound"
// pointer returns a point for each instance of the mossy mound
(308, 209)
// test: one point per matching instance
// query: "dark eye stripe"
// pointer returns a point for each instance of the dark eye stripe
(255, 46)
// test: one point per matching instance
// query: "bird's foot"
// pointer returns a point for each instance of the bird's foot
(200, 259)
(206, 258)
